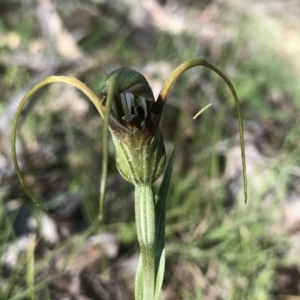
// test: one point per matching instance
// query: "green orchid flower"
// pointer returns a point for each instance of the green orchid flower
(140, 150)
(132, 115)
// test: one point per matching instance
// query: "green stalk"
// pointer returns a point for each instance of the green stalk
(145, 226)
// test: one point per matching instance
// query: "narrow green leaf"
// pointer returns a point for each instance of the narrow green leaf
(30, 266)
(160, 215)
(160, 223)
(139, 280)
(160, 274)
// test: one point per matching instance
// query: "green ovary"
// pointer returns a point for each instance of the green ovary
(140, 157)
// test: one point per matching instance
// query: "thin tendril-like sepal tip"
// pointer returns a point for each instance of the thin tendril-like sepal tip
(202, 62)
(92, 97)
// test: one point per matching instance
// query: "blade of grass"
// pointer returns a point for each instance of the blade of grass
(30, 267)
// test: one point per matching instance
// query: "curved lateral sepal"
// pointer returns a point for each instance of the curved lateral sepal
(52, 79)
(202, 62)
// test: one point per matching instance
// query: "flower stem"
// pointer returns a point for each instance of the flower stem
(145, 224)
